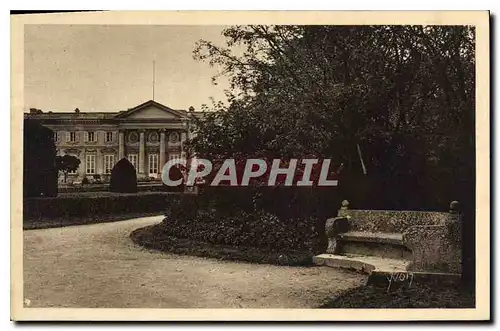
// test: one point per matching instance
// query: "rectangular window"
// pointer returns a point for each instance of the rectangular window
(72, 136)
(55, 135)
(109, 137)
(153, 164)
(174, 157)
(90, 136)
(109, 162)
(90, 164)
(133, 159)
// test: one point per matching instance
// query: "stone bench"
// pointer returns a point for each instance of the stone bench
(384, 245)
(431, 241)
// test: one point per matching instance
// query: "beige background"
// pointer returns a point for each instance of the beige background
(110, 67)
(478, 18)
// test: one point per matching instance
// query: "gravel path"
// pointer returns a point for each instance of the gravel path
(98, 266)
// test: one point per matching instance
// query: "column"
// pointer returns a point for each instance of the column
(142, 153)
(99, 162)
(121, 145)
(162, 152)
(181, 140)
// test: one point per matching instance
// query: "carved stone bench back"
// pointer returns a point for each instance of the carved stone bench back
(392, 221)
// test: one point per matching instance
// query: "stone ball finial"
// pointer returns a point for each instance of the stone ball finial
(345, 204)
(191, 108)
(454, 205)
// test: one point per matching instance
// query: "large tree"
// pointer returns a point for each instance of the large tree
(67, 163)
(393, 104)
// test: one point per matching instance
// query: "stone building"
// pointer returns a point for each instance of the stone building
(148, 135)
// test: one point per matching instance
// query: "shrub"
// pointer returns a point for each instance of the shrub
(85, 181)
(67, 163)
(230, 218)
(123, 177)
(78, 206)
(39, 163)
(174, 174)
(97, 179)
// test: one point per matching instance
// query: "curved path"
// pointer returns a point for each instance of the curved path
(98, 266)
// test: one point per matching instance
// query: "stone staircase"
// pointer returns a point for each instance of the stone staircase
(368, 252)
(385, 245)
(388, 242)
(362, 263)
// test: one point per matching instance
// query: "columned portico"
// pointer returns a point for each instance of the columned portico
(148, 135)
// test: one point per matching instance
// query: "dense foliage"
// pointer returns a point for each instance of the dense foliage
(70, 206)
(175, 173)
(230, 216)
(39, 160)
(67, 163)
(393, 104)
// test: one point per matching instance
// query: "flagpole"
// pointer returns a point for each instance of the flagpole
(153, 80)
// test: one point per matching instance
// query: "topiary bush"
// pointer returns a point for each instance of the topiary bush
(123, 177)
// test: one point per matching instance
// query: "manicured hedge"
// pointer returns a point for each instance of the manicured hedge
(77, 206)
(141, 187)
(39, 160)
(233, 216)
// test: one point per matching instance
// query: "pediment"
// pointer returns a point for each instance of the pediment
(150, 110)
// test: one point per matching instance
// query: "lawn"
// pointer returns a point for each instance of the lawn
(419, 295)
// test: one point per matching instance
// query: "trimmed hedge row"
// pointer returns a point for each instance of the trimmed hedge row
(141, 187)
(218, 218)
(78, 206)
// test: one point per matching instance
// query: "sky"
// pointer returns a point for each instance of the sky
(110, 68)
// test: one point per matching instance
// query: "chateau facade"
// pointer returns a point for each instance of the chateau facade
(148, 135)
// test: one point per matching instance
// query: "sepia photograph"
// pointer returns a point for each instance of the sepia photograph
(284, 165)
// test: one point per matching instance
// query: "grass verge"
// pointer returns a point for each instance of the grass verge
(154, 237)
(419, 295)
